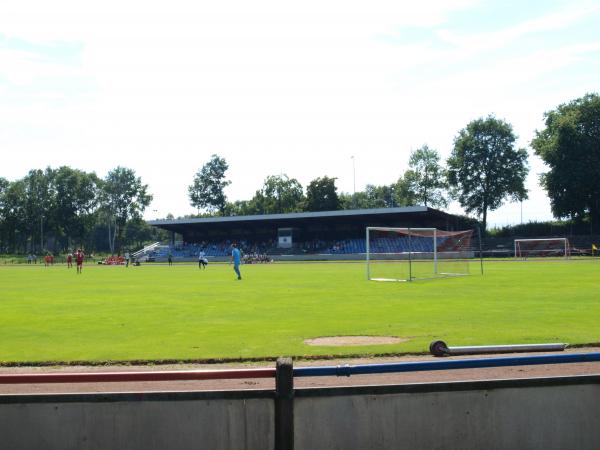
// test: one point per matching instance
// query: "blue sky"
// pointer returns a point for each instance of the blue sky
(278, 88)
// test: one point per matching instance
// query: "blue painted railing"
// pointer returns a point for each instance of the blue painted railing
(347, 370)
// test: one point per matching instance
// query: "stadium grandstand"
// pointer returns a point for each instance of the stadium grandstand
(335, 233)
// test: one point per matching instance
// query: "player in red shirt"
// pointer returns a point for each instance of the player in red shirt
(79, 260)
(69, 260)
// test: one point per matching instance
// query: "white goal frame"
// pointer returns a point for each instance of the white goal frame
(566, 246)
(406, 230)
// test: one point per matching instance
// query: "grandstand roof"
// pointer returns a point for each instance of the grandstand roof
(301, 215)
(192, 229)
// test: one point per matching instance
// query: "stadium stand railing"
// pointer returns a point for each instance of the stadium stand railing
(145, 251)
(389, 245)
(502, 247)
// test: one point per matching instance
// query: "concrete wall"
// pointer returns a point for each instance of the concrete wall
(144, 421)
(496, 416)
(544, 414)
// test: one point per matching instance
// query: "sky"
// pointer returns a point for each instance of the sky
(296, 88)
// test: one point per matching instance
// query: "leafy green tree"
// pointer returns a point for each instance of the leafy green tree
(4, 183)
(208, 189)
(357, 200)
(279, 194)
(123, 197)
(380, 196)
(15, 228)
(137, 233)
(77, 195)
(404, 193)
(485, 168)
(321, 195)
(385, 196)
(426, 178)
(240, 208)
(39, 204)
(570, 146)
(4, 242)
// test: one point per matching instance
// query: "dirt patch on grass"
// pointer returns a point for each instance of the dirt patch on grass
(342, 341)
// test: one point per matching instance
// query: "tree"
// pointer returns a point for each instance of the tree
(75, 204)
(39, 204)
(357, 200)
(403, 190)
(321, 195)
(137, 233)
(485, 168)
(570, 146)
(208, 189)
(13, 216)
(426, 179)
(279, 194)
(123, 197)
(380, 196)
(4, 241)
(241, 208)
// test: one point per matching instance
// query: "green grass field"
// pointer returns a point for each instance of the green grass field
(182, 313)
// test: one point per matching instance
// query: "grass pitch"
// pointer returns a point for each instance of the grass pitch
(183, 313)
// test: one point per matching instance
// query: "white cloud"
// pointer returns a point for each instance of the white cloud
(494, 39)
(272, 87)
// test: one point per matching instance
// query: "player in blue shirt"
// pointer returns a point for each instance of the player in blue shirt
(236, 258)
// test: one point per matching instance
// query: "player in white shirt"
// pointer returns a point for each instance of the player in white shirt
(202, 261)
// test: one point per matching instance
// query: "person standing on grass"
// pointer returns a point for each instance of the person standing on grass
(69, 260)
(202, 261)
(127, 256)
(236, 258)
(170, 259)
(79, 260)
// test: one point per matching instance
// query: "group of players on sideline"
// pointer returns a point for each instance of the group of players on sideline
(79, 257)
(236, 258)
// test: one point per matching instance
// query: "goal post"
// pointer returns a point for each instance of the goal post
(542, 248)
(406, 254)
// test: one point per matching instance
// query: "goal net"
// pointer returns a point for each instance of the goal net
(550, 247)
(406, 254)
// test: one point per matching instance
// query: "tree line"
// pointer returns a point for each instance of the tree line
(484, 170)
(63, 209)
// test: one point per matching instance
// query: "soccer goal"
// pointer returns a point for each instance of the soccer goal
(549, 247)
(406, 254)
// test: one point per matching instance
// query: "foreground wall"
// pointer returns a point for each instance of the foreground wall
(153, 421)
(522, 414)
(549, 413)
